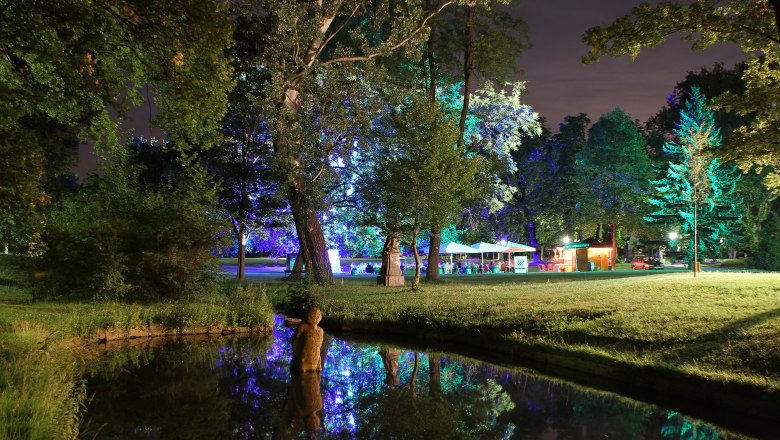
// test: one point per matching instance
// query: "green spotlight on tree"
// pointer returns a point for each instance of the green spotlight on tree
(696, 188)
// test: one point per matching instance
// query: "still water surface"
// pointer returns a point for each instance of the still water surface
(243, 389)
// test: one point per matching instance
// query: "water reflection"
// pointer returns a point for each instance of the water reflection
(243, 389)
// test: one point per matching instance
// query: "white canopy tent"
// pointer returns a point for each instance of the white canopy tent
(452, 247)
(517, 247)
(483, 247)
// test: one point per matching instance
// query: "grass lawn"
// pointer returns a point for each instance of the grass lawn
(720, 328)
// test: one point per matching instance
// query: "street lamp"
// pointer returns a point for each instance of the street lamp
(673, 235)
(566, 240)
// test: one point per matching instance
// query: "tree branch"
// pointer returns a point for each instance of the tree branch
(401, 43)
(343, 25)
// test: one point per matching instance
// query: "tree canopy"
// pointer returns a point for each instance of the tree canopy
(696, 191)
(749, 23)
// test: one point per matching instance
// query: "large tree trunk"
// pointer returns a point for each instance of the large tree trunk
(429, 55)
(468, 67)
(311, 240)
(241, 250)
(433, 256)
(416, 280)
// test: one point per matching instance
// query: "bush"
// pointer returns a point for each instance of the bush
(301, 298)
(766, 255)
(249, 306)
(131, 236)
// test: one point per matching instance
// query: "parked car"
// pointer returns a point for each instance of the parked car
(640, 262)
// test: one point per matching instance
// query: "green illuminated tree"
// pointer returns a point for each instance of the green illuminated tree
(612, 172)
(696, 189)
(421, 177)
(756, 198)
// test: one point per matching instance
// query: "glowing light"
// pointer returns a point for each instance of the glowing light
(566, 240)
(673, 235)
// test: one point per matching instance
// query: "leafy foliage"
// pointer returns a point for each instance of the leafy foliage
(134, 236)
(749, 23)
(67, 65)
(612, 172)
(696, 184)
(421, 178)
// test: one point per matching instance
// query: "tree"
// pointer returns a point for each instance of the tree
(751, 24)
(145, 229)
(321, 62)
(612, 172)
(756, 198)
(534, 211)
(567, 143)
(470, 41)
(421, 178)
(67, 65)
(241, 163)
(696, 189)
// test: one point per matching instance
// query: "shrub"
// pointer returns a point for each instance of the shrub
(301, 298)
(766, 255)
(129, 235)
(249, 306)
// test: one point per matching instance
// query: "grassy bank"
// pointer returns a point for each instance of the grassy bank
(44, 346)
(720, 328)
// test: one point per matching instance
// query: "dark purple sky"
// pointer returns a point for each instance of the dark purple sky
(559, 85)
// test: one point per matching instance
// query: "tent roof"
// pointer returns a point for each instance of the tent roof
(452, 247)
(517, 247)
(456, 248)
(488, 247)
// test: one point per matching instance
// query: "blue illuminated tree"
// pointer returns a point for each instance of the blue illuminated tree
(696, 189)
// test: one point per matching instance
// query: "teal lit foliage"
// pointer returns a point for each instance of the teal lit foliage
(143, 231)
(680, 428)
(345, 231)
(696, 179)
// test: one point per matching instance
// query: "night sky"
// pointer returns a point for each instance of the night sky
(557, 83)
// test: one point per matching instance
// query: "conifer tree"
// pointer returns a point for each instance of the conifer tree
(695, 188)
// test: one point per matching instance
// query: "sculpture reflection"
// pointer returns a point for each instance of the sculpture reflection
(302, 407)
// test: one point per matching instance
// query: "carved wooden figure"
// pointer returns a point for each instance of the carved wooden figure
(307, 343)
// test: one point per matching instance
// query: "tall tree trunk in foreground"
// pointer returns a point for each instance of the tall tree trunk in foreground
(433, 255)
(614, 246)
(468, 67)
(311, 240)
(241, 250)
(433, 250)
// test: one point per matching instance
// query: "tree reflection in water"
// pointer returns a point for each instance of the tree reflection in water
(244, 390)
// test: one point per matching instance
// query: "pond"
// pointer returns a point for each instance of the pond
(242, 389)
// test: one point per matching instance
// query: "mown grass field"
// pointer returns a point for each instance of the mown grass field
(720, 326)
